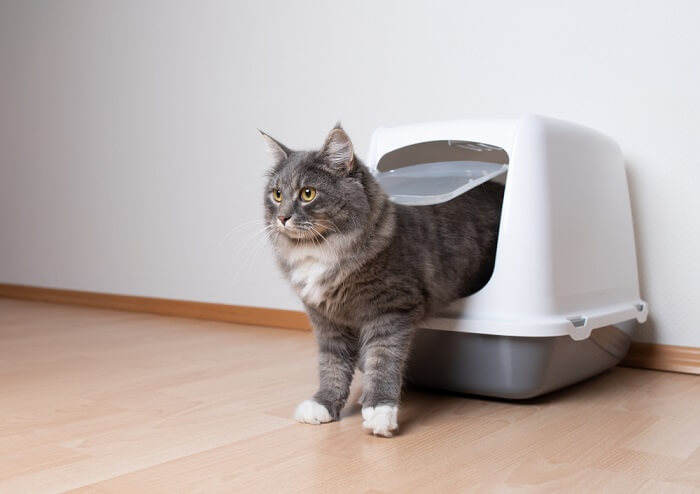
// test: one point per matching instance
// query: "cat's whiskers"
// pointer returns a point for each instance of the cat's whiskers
(246, 243)
(325, 246)
(317, 242)
(334, 253)
(319, 234)
(240, 226)
(327, 250)
(327, 227)
(255, 250)
(227, 238)
(326, 220)
(255, 234)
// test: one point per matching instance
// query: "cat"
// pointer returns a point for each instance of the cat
(369, 270)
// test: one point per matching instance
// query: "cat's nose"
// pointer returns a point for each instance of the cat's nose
(283, 219)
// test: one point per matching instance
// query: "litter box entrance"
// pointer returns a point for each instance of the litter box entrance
(437, 171)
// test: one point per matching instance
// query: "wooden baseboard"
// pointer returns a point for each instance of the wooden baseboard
(642, 355)
(663, 357)
(256, 316)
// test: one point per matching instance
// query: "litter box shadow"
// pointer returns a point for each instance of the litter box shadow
(423, 406)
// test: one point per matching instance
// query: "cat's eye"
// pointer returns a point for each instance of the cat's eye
(277, 195)
(307, 194)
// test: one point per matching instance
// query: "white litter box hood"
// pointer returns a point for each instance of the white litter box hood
(565, 261)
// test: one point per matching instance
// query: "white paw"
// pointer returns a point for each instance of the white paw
(381, 420)
(310, 412)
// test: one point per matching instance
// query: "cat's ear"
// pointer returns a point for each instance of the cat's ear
(337, 151)
(279, 151)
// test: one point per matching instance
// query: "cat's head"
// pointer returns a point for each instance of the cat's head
(313, 195)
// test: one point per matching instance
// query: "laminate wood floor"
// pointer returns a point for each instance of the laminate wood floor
(113, 402)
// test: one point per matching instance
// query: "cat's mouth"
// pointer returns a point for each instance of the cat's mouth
(310, 232)
(293, 232)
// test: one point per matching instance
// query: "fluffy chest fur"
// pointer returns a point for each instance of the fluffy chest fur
(312, 271)
(308, 277)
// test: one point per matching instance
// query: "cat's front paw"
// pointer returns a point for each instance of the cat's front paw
(381, 420)
(311, 412)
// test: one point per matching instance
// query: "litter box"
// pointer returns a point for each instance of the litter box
(563, 299)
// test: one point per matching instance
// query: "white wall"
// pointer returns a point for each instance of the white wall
(128, 149)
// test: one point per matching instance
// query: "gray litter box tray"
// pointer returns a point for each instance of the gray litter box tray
(513, 367)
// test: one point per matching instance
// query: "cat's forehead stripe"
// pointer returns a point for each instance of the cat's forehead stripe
(300, 171)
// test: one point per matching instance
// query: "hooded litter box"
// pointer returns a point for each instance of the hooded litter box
(563, 298)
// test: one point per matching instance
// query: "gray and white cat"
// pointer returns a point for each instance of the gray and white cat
(369, 270)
